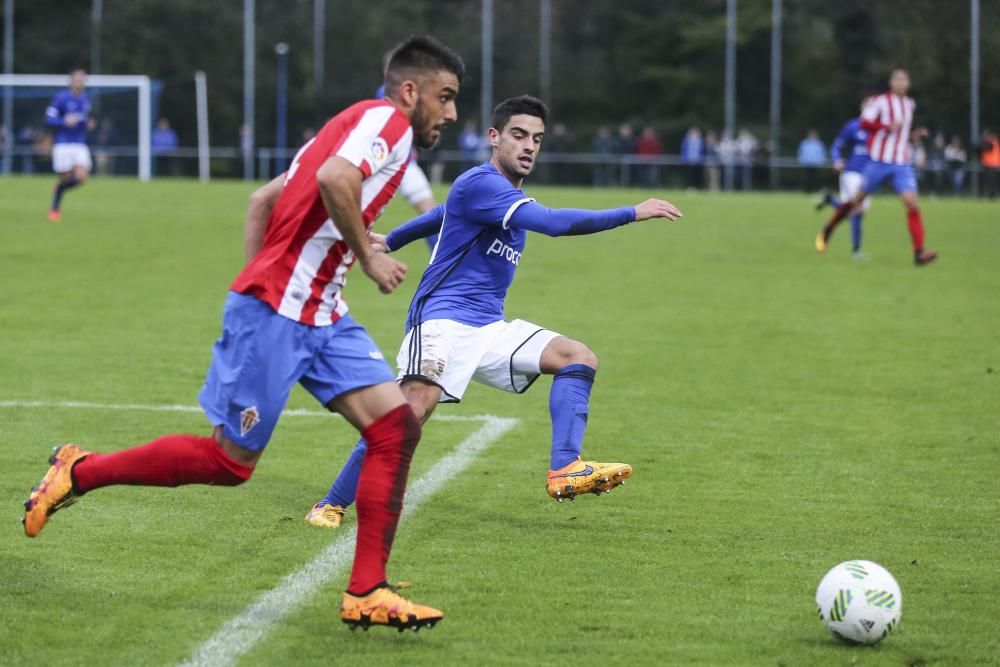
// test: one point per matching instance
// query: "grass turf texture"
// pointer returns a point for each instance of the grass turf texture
(784, 411)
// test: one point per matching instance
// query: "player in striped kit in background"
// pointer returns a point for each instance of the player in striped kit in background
(285, 322)
(888, 118)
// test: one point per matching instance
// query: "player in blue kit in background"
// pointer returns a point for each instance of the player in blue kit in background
(456, 330)
(853, 143)
(69, 116)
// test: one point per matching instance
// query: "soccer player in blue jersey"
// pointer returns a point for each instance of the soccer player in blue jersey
(852, 142)
(456, 329)
(69, 116)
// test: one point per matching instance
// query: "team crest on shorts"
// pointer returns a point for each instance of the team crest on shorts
(248, 419)
(378, 152)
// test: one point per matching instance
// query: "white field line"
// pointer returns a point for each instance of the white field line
(77, 405)
(243, 632)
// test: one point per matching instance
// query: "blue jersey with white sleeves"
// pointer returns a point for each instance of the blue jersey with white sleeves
(851, 146)
(68, 114)
(483, 228)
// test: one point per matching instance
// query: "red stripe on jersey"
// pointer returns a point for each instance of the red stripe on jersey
(339, 253)
(299, 216)
(891, 147)
(327, 270)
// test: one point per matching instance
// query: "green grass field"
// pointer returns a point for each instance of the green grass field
(784, 411)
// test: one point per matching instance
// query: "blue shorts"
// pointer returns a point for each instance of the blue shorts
(877, 173)
(260, 357)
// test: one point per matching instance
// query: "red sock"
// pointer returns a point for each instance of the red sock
(916, 225)
(168, 461)
(391, 441)
(839, 214)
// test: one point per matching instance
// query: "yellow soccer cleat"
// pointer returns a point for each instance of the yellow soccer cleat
(586, 477)
(820, 243)
(54, 492)
(326, 515)
(384, 607)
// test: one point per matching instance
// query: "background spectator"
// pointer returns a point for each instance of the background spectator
(603, 145)
(105, 137)
(989, 156)
(811, 156)
(163, 143)
(712, 161)
(468, 143)
(746, 145)
(624, 145)
(955, 157)
(935, 162)
(27, 136)
(649, 146)
(693, 155)
(557, 141)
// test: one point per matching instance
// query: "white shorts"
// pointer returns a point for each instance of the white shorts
(67, 156)
(505, 355)
(851, 183)
(415, 186)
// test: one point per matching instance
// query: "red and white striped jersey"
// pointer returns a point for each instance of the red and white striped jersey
(881, 112)
(301, 267)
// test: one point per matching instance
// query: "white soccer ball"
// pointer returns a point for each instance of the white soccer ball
(859, 601)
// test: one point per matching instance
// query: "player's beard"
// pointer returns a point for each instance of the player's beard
(422, 127)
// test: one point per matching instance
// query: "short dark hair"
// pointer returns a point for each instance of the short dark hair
(420, 54)
(522, 104)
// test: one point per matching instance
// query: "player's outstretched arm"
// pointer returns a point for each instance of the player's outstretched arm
(259, 209)
(657, 208)
(420, 227)
(574, 221)
(340, 187)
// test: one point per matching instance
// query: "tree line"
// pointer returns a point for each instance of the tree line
(656, 62)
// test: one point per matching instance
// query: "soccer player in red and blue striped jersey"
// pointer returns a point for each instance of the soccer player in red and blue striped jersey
(285, 322)
(888, 118)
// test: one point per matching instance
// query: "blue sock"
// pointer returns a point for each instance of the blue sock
(568, 400)
(834, 202)
(345, 487)
(856, 231)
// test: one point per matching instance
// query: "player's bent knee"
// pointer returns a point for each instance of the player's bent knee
(581, 354)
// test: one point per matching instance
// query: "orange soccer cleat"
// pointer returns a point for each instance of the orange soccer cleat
(54, 492)
(384, 606)
(586, 477)
(325, 515)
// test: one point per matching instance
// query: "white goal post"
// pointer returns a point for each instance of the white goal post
(140, 82)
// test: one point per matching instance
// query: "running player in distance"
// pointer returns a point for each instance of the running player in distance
(888, 118)
(455, 328)
(69, 117)
(849, 153)
(285, 322)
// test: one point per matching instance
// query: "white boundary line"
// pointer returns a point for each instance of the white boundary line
(241, 633)
(78, 405)
(244, 631)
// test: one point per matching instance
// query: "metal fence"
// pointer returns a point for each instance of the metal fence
(571, 169)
